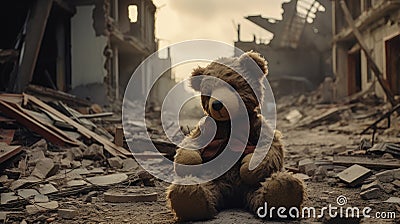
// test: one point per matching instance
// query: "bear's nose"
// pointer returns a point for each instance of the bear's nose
(217, 105)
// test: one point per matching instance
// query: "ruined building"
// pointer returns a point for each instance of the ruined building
(299, 55)
(378, 23)
(87, 47)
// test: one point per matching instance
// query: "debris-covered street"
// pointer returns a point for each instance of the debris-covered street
(111, 110)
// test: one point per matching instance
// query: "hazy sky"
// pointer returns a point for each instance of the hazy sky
(180, 20)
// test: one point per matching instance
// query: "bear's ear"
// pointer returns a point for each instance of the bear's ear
(195, 80)
(257, 58)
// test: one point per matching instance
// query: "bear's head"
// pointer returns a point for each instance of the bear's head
(227, 82)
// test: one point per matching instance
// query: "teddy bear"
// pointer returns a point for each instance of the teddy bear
(240, 186)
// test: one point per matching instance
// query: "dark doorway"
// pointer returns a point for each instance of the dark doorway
(392, 49)
(354, 71)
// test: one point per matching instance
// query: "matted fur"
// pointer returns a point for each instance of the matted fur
(239, 186)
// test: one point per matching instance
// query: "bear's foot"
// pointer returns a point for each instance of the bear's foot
(280, 190)
(191, 202)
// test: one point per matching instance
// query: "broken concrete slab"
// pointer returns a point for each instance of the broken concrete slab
(45, 168)
(41, 207)
(354, 175)
(389, 188)
(294, 116)
(94, 152)
(34, 155)
(23, 181)
(67, 213)
(115, 162)
(74, 153)
(77, 183)
(307, 166)
(115, 197)
(302, 176)
(8, 197)
(129, 164)
(385, 176)
(47, 189)
(108, 179)
(394, 200)
(27, 193)
(40, 198)
(396, 183)
(374, 184)
(372, 193)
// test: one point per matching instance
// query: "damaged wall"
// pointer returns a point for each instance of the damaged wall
(379, 26)
(87, 49)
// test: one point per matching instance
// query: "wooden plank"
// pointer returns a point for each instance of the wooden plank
(371, 62)
(119, 136)
(376, 164)
(34, 35)
(8, 151)
(108, 145)
(98, 115)
(15, 111)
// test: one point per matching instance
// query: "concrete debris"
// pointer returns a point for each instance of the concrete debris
(108, 179)
(115, 162)
(77, 183)
(40, 198)
(74, 153)
(24, 181)
(27, 193)
(47, 189)
(375, 184)
(129, 164)
(372, 193)
(294, 116)
(94, 152)
(41, 207)
(115, 197)
(67, 213)
(354, 175)
(394, 200)
(307, 166)
(386, 176)
(45, 168)
(8, 197)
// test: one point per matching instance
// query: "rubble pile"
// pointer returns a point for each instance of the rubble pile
(55, 159)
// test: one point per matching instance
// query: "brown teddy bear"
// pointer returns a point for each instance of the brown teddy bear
(239, 186)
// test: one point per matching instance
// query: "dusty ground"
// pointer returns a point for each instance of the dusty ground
(315, 143)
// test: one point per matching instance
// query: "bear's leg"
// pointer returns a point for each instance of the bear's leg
(280, 190)
(193, 202)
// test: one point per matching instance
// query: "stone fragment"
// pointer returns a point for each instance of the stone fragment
(41, 207)
(354, 175)
(45, 168)
(372, 193)
(108, 179)
(27, 193)
(34, 155)
(76, 183)
(385, 176)
(374, 184)
(302, 176)
(67, 213)
(23, 181)
(86, 163)
(74, 153)
(320, 174)
(396, 183)
(306, 164)
(396, 173)
(94, 152)
(395, 200)
(389, 188)
(47, 189)
(129, 164)
(40, 198)
(115, 162)
(115, 197)
(8, 197)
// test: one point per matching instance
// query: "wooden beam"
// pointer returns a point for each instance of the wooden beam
(108, 145)
(51, 134)
(371, 62)
(8, 151)
(34, 35)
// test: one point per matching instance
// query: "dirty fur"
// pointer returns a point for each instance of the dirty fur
(238, 187)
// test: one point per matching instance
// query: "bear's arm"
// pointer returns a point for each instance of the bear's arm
(186, 156)
(272, 163)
